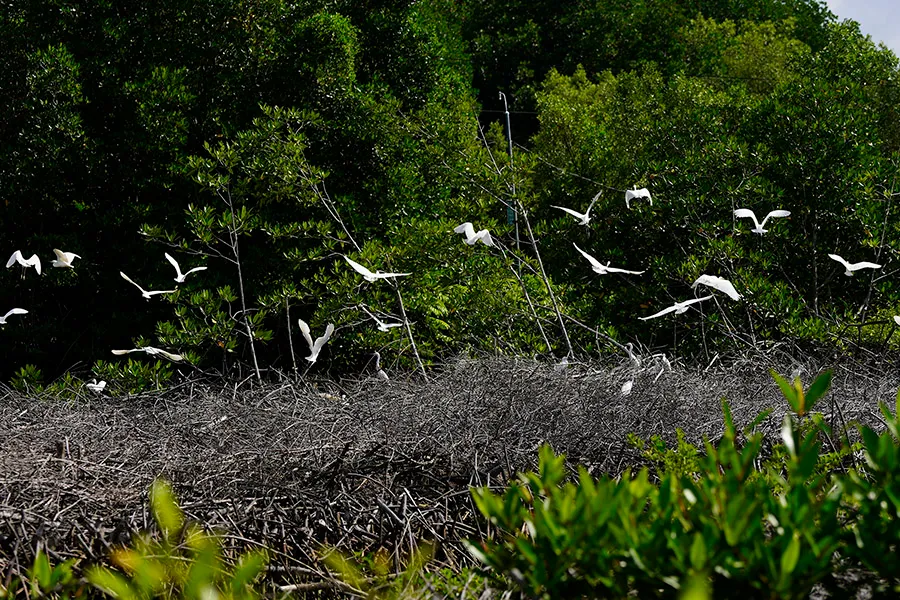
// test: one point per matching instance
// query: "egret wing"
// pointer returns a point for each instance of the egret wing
(304, 329)
(594, 262)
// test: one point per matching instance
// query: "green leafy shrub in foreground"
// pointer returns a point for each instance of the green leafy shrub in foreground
(721, 529)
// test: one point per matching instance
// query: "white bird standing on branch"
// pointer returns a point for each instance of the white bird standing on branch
(849, 268)
(369, 275)
(63, 259)
(717, 283)
(678, 308)
(585, 218)
(14, 311)
(315, 346)
(17, 257)
(179, 276)
(483, 236)
(743, 213)
(637, 195)
(152, 352)
(144, 292)
(602, 269)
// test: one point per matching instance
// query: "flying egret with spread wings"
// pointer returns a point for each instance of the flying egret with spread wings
(746, 213)
(152, 352)
(583, 218)
(637, 195)
(179, 276)
(17, 257)
(602, 269)
(63, 259)
(382, 326)
(14, 311)
(144, 292)
(483, 236)
(849, 268)
(717, 283)
(369, 275)
(678, 308)
(315, 346)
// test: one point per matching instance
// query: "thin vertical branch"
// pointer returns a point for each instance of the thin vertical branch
(235, 249)
(287, 314)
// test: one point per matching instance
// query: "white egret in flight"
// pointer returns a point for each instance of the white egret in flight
(369, 275)
(144, 292)
(585, 218)
(63, 259)
(483, 235)
(742, 213)
(636, 195)
(849, 268)
(678, 308)
(15, 311)
(152, 352)
(17, 257)
(179, 276)
(382, 326)
(717, 283)
(897, 320)
(602, 269)
(314, 346)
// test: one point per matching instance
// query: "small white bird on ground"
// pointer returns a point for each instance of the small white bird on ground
(627, 386)
(96, 386)
(583, 218)
(14, 311)
(179, 276)
(382, 326)
(717, 283)
(17, 257)
(315, 346)
(849, 268)
(637, 195)
(144, 292)
(483, 236)
(369, 275)
(63, 259)
(678, 308)
(742, 213)
(152, 352)
(602, 269)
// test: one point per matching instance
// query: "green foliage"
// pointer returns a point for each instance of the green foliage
(181, 561)
(374, 576)
(698, 533)
(44, 580)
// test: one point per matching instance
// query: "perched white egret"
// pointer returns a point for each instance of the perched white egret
(717, 283)
(678, 308)
(602, 269)
(144, 292)
(637, 195)
(583, 218)
(849, 268)
(63, 259)
(17, 257)
(179, 276)
(315, 346)
(382, 326)
(369, 275)
(96, 386)
(742, 213)
(634, 358)
(379, 372)
(152, 352)
(627, 386)
(14, 311)
(483, 235)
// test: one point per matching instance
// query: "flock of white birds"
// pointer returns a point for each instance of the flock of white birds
(65, 260)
